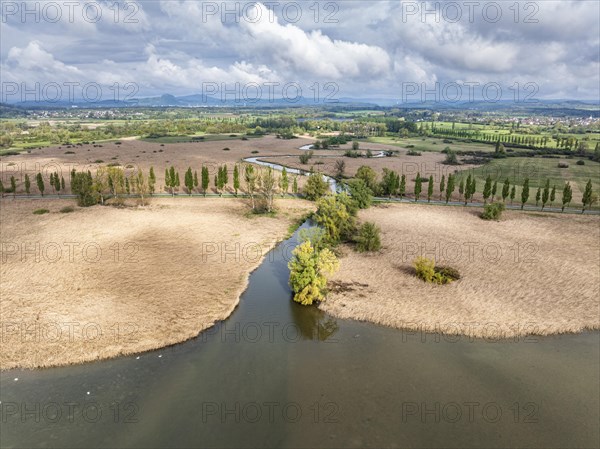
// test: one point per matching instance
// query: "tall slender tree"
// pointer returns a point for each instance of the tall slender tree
(442, 186)
(494, 190)
(27, 184)
(40, 183)
(505, 190)
(430, 189)
(205, 179)
(567, 196)
(449, 188)
(236, 179)
(525, 193)
(418, 184)
(546, 194)
(487, 189)
(588, 196)
(402, 187)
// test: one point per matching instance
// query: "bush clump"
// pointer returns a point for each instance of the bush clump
(426, 270)
(492, 211)
(41, 211)
(368, 239)
(580, 162)
(563, 165)
(67, 210)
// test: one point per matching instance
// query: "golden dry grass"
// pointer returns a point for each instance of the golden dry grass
(551, 286)
(157, 280)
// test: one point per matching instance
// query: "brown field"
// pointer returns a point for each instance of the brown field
(103, 281)
(134, 154)
(529, 273)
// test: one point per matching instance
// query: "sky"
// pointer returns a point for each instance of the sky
(407, 51)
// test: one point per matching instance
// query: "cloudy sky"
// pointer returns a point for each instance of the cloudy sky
(342, 49)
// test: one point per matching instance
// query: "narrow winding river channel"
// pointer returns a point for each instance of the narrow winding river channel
(277, 374)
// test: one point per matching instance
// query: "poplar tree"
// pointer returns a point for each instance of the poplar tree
(494, 190)
(442, 186)
(487, 189)
(236, 179)
(205, 179)
(546, 193)
(27, 184)
(552, 195)
(284, 182)
(588, 196)
(417, 187)
(13, 185)
(449, 188)
(40, 183)
(567, 196)
(402, 187)
(430, 189)
(525, 193)
(151, 181)
(505, 190)
(513, 193)
(538, 196)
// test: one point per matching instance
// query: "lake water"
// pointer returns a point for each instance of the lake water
(278, 374)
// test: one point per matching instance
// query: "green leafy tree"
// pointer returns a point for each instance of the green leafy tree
(513, 193)
(494, 190)
(360, 193)
(402, 188)
(389, 182)
(236, 179)
(196, 183)
(472, 188)
(461, 187)
(284, 182)
(368, 175)
(62, 183)
(1, 189)
(525, 193)
(167, 179)
(442, 186)
(40, 183)
(505, 190)
(309, 270)
(269, 186)
(538, 196)
(430, 189)
(450, 188)
(567, 196)
(13, 185)
(151, 181)
(546, 194)
(83, 186)
(27, 184)
(418, 185)
(315, 187)
(251, 178)
(487, 189)
(467, 189)
(189, 180)
(368, 238)
(205, 179)
(588, 196)
(552, 195)
(333, 215)
(127, 187)
(295, 186)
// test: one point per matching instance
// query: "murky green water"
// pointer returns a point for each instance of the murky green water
(276, 374)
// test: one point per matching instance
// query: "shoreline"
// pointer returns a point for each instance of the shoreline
(172, 326)
(526, 275)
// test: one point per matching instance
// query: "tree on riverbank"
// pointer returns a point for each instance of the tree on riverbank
(309, 270)
(315, 187)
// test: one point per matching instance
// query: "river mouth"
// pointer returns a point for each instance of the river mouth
(278, 374)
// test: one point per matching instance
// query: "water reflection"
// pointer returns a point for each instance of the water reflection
(313, 323)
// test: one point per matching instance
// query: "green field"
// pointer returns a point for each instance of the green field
(433, 144)
(516, 169)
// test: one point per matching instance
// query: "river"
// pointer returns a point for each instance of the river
(278, 374)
